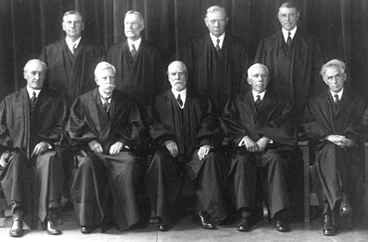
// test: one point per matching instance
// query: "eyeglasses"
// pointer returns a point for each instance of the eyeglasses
(213, 22)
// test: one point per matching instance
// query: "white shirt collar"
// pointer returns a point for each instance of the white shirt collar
(136, 43)
(338, 94)
(261, 95)
(31, 90)
(183, 95)
(285, 33)
(214, 39)
(71, 44)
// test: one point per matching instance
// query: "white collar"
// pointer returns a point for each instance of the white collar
(71, 44)
(214, 39)
(285, 33)
(136, 43)
(31, 90)
(183, 95)
(261, 95)
(338, 94)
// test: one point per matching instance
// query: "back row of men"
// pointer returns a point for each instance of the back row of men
(107, 132)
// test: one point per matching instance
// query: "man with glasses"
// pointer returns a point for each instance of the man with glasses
(217, 61)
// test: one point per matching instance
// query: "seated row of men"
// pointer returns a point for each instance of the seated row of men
(107, 134)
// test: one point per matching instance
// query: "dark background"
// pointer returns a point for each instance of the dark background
(26, 26)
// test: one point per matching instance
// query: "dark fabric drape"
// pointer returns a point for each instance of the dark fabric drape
(29, 25)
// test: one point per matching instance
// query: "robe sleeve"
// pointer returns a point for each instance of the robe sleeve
(131, 132)
(210, 132)
(56, 134)
(230, 123)
(311, 128)
(5, 139)
(157, 131)
(358, 130)
(280, 128)
(77, 126)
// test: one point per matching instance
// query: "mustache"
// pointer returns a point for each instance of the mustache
(110, 85)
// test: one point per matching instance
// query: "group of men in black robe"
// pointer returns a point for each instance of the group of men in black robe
(101, 147)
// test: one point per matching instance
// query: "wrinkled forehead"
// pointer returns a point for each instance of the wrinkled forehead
(176, 67)
(333, 70)
(287, 10)
(73, 17)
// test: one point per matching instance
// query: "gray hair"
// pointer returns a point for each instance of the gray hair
(136, 13)
(25, 69)
(179, 62)
(214, 9)
(333, 63)
(104, 65)
(255, 65)
(72, 12)
(289, 4)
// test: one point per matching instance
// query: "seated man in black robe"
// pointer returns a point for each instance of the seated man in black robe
(182, 125)
(104, 126)
(337, 120)
(32, 125)
(260, 125)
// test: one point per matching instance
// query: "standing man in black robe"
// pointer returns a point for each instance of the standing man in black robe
(71, 62)
(337, 120)
(182, 125)
(261, 128)
(294, 58)
(139, 69)
(216, 62)
(32, 124)
(105, 128)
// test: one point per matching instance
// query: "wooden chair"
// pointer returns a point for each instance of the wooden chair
(310, 198)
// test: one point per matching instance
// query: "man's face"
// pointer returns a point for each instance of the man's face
(73, 25)
(105, 81)
(35, 75)
(334, 78)
(216, 23)
(258, 79)
(177, 76)
(133, 27)
(288, 18)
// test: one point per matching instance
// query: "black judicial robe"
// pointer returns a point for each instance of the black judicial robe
(200, 127)
(191, 127)
(350, 119)
(18, 134)
(275, 120)
(219, 76)
(296, 73)
(71, 74)
(142, 78)
(89, 121)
